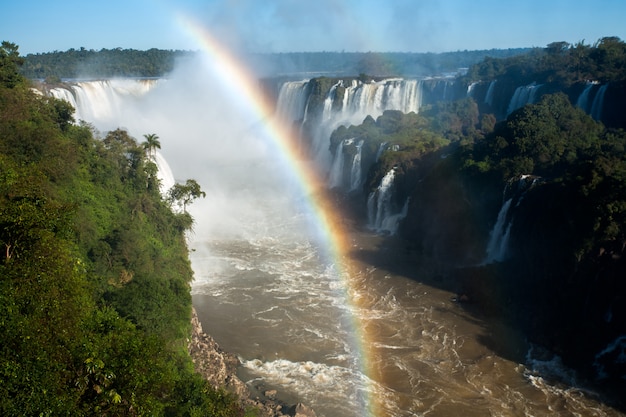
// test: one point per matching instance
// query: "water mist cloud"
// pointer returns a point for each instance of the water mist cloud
(208, 133)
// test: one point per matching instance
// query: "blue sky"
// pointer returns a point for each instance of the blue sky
(310, 25)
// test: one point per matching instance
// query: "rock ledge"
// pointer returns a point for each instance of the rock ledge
(220, 369)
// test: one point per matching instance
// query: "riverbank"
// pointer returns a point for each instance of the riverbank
(220, 369)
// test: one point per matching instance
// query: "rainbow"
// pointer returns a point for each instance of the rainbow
(245, 86)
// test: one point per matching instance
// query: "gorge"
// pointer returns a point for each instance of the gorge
(424, 330)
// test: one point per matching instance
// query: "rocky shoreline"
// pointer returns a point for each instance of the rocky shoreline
(219, 368)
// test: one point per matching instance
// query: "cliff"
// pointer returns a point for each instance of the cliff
(219, 368)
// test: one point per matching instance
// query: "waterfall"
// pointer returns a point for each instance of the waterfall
(523, 95)
(292, 100)
(489, 95)
(378, 200)
(336, 174)
(499, 236)
(359, 100)
(381, 215)
(513, 195)
(355, 172)
(65, 94)
(381, 149)
(403, 95)
(470, 89)
(103, 101)
(328, 102)
(335, 178)
(598, 103)
(165, 175)
(583, 99)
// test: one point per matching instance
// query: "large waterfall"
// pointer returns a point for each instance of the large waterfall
(265, 289)
(103, 100)
(356, 100)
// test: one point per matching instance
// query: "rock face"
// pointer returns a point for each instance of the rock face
(219, 368)
(215, 365)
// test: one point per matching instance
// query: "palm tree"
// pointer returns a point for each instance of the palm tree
(151, 145)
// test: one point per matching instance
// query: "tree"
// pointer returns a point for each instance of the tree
(184, 194)
(10, 63)
(151, 145)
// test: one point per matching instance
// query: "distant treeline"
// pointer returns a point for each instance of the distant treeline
(107, 63)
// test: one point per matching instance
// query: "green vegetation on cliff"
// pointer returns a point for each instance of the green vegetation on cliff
(560, 278)
(559, 62)
(105, 63)
(95, 302)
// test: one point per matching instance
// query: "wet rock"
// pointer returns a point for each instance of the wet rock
(301, 410)
(271, 394)
(220, 367)
(215, 365)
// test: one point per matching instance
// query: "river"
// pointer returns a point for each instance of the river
(385, 338)
(271, 299)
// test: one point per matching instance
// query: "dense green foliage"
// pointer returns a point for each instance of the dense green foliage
(95, 301)
(561, 144)
(105, 63)
(559, 62)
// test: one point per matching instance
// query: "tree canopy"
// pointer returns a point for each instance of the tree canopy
(559, 62)
(95, 303)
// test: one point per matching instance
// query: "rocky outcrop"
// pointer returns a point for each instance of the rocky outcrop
(220, 369)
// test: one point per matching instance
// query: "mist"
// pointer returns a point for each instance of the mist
(209, 133)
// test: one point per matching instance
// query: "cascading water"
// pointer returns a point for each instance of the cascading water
(292, 100)
(471, 88)
(335, 178)
(499, 236)
(355, 172)
(165, 175)
(358, 100)
(583, 99)
(381, 213)
(381, 148)
(327, 112)
(489, 95)
(102, 100)
(513, 195)
(598, 103)
(265, 290)
(523, 95)
(378, 201)
(371, 99)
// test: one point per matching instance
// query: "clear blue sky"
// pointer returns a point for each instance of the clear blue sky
(310, 25)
